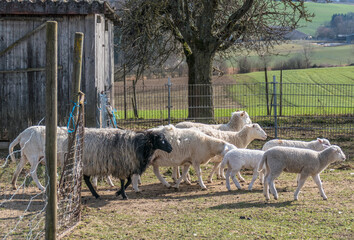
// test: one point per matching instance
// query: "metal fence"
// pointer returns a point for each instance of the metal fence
(284, 110)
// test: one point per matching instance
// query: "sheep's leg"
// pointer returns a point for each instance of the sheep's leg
(135, 180)
(272, 188)
(175, 174)
(94, 182)
(317, 180)
(19, 168)
(199, 174)
(266, 186)
(261, 176)
(255, 174)
(300, 185)
(35, 177)
(222, 173)
(228, 172)
(139, 179)
(122, 188)
(184, 173)
(88, 183)
(237, 184)
(215, 168)
(240, 177)
(109, 180)
(297, 179)
(158, 175)
(187, 177)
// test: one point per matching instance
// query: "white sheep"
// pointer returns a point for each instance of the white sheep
(305, 162)
(240, 139)
(120, 153)
(237, 121)
(32, 143)
(317, 145)
(238, 159)
(190, 147)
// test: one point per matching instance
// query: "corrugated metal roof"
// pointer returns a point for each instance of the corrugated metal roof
(56, 7)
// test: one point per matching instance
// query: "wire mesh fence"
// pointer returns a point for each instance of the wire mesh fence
(23, 206)
(69, 190)
(304, 110)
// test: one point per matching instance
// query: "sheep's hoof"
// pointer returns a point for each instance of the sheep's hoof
(325, 199)
(98, 197)
(210, 181)
(204, 189)
(242, 180)
(14, 188)
(119, 192)
(175, 186)
(125, 198)
(138, 192)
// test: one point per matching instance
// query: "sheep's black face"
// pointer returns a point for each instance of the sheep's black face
(160, 142)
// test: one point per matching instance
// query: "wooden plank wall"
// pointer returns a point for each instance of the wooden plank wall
(22, 95)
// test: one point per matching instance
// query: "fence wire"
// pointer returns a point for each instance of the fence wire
(306, 110)
(22, 210)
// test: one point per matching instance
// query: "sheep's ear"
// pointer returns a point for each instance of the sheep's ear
(254, 125)
(319, 140)
(243, 113)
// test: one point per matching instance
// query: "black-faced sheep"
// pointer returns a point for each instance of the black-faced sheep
(120, 153)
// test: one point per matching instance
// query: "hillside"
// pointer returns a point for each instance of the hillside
(323, 13)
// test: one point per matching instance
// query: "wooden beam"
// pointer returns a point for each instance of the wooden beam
(41, 69)
(22, 39)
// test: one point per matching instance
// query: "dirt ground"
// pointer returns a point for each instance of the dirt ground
(159, 204)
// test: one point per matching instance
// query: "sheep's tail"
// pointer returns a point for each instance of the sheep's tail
(262, 162)
(12, 145)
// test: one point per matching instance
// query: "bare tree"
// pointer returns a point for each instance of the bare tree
(200, 29)
(308, 51)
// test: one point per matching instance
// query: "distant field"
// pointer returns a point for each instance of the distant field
(320, 55)
(300, 96)
(323, 13)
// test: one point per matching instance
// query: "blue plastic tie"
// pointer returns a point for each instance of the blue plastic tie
(72, 118)
(114, 117)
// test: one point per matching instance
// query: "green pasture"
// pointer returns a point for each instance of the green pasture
(323, 14)
(320, 55)
(300, 94)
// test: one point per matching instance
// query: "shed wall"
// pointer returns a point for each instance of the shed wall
(22, 94)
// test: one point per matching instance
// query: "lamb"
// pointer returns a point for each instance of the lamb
(32, 143)
(316, 145)
(305, 162)
(189, 148)
(237, 159)
(240, 139)
(120, 153)
(237, 121)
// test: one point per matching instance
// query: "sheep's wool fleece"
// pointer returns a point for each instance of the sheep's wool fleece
(112, 152)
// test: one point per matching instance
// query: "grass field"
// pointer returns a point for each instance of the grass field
(300, 95)
(323, 13)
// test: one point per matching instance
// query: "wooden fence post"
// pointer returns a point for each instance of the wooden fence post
(51, 129)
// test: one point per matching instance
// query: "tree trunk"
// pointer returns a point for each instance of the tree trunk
(200, 91)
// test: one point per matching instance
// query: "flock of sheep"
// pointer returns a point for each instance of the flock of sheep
(126, 154)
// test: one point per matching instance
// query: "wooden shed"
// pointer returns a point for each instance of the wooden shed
(23, 60)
